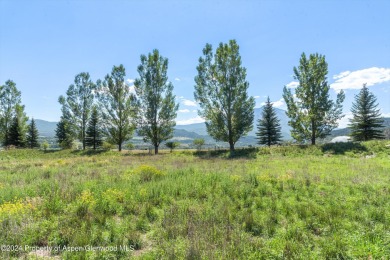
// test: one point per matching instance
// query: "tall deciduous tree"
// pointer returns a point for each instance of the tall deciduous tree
(118, 106)
(157, 107)
(366, 122)
(222, 92)
(268, 128)
(94, 131)
(312, 113)
(18, 128)
(32, 135)
(10, 98)
(78, 104)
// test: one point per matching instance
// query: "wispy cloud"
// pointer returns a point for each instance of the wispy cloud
(177, 79)
(256, 97)
(194, 120)
(356, 79)
(278, 104)
(184, 111)
(130, 81)
(292, 84)
(188, 102)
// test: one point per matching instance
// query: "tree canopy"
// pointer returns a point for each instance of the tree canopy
(222, 93)
(311, 111)
(157, 107)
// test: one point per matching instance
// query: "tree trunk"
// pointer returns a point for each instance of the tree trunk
(156, 149)
(231, 146)
(313, 133)
(120, 147)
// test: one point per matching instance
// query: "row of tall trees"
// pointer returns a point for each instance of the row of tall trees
(221, 91)
(110, 109)
(114, 111)
(14, 130)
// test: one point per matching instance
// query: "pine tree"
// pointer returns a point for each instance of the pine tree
(366, 123)
(64, 134)
(157, 107)
(94, 132)
(18, 128)
(222, 93)
(32, 135)
(268, 128)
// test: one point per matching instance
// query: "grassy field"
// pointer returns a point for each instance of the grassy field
(297, 202)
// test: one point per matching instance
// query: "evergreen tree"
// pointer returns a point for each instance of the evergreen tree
(94, 132)
(222, 93)
(77, 104)
(10, 98)
(118, 106)
(18, 128)
(366, 123)
(157, 108)
(64, 134)
(32, 135)
(312, 113)
(268, 129)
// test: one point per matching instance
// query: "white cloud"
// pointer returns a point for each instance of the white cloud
(189, 103)
(177, 79)
(194, 111)
(293, 84)
(278, 104)
(356, 79)
(132, 89)
(184, 111)
(256, 97)
(343, 122)
(194, 120)
(130, 81)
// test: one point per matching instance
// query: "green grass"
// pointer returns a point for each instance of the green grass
(286, 202)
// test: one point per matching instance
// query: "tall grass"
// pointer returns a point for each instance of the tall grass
(291, 202)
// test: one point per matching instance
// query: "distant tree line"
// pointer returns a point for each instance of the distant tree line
(110, 110)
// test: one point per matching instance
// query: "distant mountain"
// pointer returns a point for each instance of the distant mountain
(200, 128)
(45, 128)
(347, 131)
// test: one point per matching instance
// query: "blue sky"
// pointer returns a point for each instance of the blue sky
(44, 44)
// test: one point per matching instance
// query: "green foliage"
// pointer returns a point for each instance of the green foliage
(312, 113)
(199, 142)
(118, 106)
(366, 123)
(268, 128)
(293, 202)
(10, 99)
(172, 145)
(45, 145)
(94, 133)
(108, 146)
(18, 128)
(130, 146)
(147, 173)
(32, 135)
(64, 134)
(157, 107)
(222, 93)
(77, 105)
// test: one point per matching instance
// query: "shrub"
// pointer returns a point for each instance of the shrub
(148, 173)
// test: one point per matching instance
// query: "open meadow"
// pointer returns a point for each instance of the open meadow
(285, 202)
